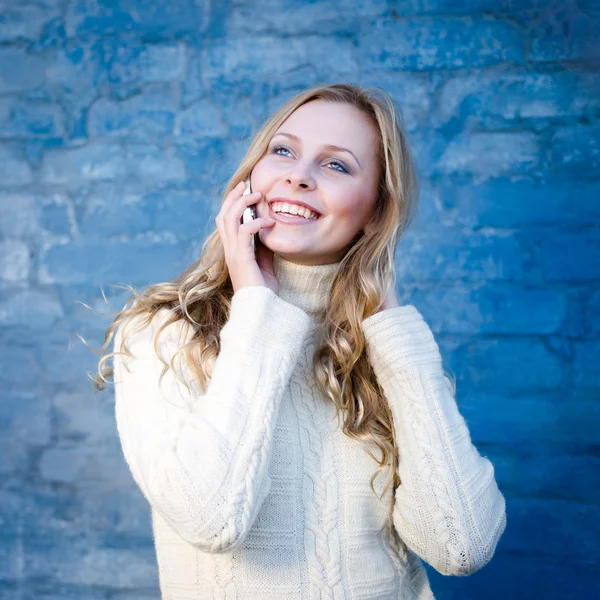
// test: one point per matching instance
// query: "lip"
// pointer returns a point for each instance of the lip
(296, 202)
(281, 218)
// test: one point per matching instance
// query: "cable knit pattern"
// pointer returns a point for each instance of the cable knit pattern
(255, 492)
(457, 529)
(320, 490)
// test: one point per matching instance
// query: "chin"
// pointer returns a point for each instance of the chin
(280, 246)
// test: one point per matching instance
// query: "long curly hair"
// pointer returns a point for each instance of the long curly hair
(201, 295)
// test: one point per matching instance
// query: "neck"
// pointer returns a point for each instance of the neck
(306, 286)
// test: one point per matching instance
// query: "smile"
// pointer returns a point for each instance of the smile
(290, 219)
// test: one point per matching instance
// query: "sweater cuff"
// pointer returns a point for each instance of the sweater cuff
(399, 336)
(259, 314)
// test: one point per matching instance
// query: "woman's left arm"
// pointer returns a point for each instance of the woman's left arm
(447, 509)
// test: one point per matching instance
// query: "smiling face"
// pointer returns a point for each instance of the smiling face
(302, 166)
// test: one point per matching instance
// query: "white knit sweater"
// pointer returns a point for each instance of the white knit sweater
(256, 493)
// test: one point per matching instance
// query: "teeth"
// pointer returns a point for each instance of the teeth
(293, 209)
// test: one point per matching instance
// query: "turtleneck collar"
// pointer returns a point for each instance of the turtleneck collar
(304, 286)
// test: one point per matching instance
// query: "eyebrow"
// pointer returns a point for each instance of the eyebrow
(327, 146)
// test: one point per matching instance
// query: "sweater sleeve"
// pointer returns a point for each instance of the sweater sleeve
(201, 459)
(448, 508)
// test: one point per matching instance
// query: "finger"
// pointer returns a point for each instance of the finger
(225, 216)
(247, 230)
(233, 217)
(230, 199)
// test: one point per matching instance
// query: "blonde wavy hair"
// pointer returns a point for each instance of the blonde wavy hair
(201, 295)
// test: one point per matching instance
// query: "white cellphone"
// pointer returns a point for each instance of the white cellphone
(250, 214)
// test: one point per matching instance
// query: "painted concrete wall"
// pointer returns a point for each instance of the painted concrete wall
(120, 123)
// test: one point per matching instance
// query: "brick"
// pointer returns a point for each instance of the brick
(56, 215)
(444, 7)
(25, 20)
(575, 152)
(496, 98)
(585, 365)
(412, 91)
(203, 160)
(414, 44)
(34, 589)
(584, 41)
(14, 460)
(29, 119)
(591, 313)
(118, 512)
(521, 203)
(38, 309)
(236, 59)
(149, 63)
(12, 508)
(135, 595)
(19, 214)
(507, 366)
(103, 160)
(25, 422)
(11, 562)
(329, 55)
(96, 161)
(570, 257)
(21, 71)
(153, 164)
(107, 211)
(115, 567)
(564, 34)
(576, 321)
(90, 566)
(192, 85)
(574, 477)
(142, 118)
(65, 465)
(571, 530)
(74, 74)
(533, 420)
(491, 154)
(186, 214)
(96, 262)
(204, 119)
(532, 575)
(21, 370)
(59, 364)
(160, 17)
(84, 417)
(14, 169)
(14, 262)
(84, 464)
(326, 17)
(492, 309)
(451, 256)
(60, 550)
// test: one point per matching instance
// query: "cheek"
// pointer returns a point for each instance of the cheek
(263, 172)
(351, 204)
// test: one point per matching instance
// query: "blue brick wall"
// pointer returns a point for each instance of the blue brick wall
(121, 120)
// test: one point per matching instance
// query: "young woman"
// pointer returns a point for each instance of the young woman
(231, 377)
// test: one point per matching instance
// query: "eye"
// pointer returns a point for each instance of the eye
(276, 148)
(342, 169)
(339, 164)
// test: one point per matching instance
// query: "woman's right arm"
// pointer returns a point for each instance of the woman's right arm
(202, 459)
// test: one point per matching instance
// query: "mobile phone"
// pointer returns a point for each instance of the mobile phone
(250, 214)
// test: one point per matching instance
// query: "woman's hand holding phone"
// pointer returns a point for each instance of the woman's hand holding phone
(246, 267)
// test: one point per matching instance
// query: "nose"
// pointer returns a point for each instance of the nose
(300, 177)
